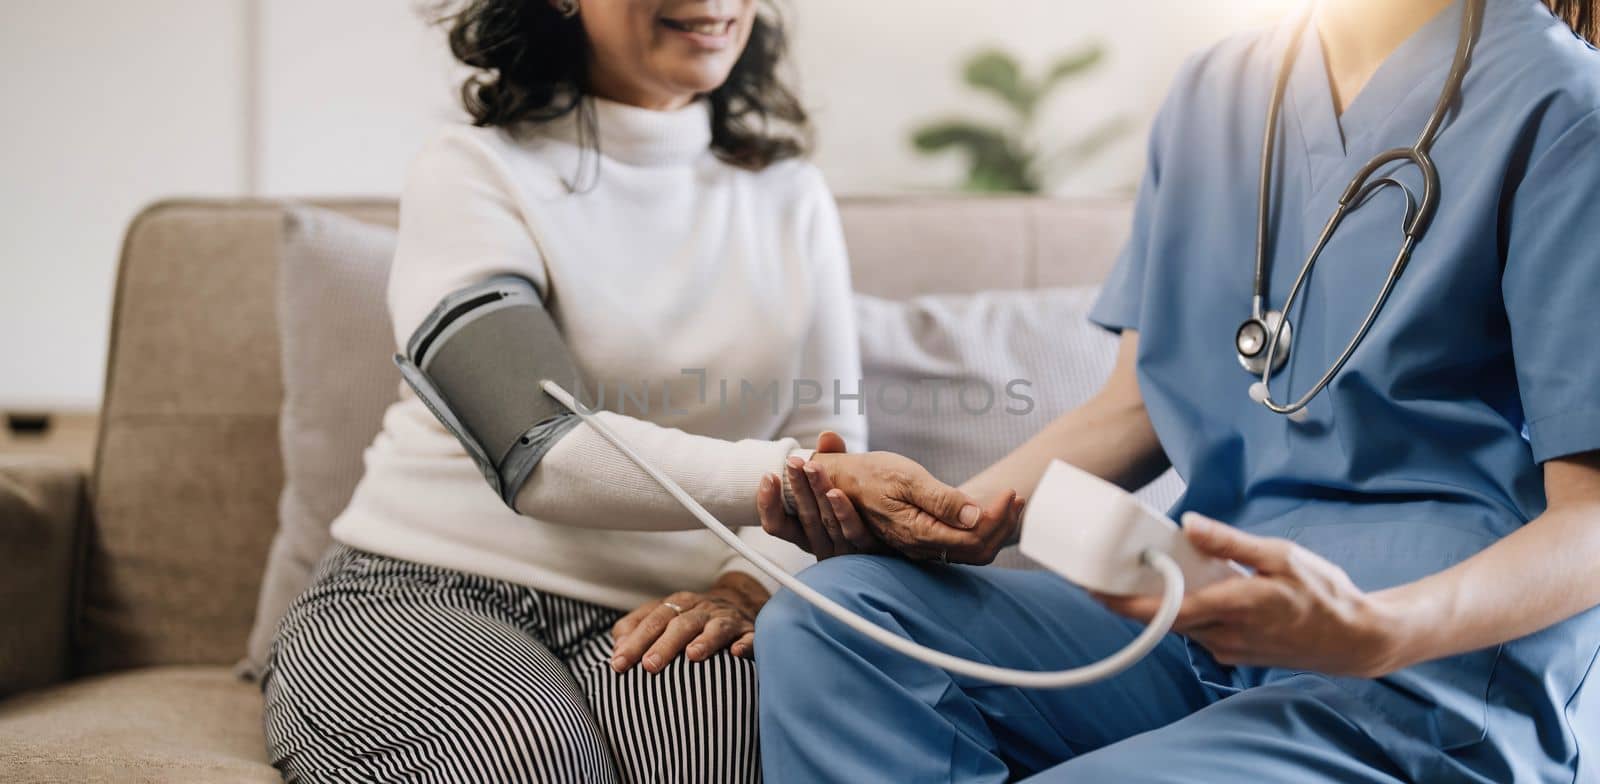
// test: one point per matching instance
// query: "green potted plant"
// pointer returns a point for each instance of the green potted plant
(1004, 156)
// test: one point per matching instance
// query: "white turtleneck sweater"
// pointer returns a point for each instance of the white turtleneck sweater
(669, 261)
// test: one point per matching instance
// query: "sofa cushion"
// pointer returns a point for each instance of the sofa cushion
(189, 724)
(335, 343)
(187, 473)
(907, 246)
(40, 514)
(957, 381)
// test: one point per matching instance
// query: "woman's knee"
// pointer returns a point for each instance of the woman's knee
(509, 734)
(692, 721)
(394, 711)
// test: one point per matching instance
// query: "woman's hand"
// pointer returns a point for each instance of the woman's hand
(694, 624)
(882, 500)
(1299, 610)
(913, 532)
(813, 527)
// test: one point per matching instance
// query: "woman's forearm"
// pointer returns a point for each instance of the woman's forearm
(585, 482)
(1540, 575)
(1110, 436)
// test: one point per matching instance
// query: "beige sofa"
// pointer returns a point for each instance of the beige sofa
(127, 596)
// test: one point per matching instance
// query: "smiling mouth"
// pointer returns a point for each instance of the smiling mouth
(710, 27)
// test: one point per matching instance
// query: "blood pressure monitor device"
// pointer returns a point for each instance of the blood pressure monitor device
(1095, 535)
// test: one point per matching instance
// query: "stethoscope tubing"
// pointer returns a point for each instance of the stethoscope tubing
(1419, 215)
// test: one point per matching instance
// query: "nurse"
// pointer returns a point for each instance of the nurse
(1425, 539)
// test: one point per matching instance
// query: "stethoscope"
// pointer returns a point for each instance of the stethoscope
(1263, 340)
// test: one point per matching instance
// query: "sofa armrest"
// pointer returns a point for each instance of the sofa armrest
(42, 502)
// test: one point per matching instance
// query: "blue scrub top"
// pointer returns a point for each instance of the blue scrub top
(1484, 363)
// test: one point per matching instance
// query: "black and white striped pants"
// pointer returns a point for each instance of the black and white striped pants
(386, 670)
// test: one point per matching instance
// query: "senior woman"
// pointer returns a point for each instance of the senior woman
(1424, 537)
(633, 161)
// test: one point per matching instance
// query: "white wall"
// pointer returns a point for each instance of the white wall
(110, 105)
(107, 105)
(352, 89)
(876, 69)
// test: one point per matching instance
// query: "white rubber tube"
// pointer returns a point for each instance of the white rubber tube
(1171, 594)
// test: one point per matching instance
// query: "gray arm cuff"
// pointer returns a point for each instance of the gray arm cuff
(525, 455)
(477, 361)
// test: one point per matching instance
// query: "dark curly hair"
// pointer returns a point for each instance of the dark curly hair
(531, 64)
(1583, 16)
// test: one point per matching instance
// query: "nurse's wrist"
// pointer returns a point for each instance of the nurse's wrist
(1399, 631)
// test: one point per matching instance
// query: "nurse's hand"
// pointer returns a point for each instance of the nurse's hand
(1299, 610)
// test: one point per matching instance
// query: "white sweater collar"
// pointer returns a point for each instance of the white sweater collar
(641, 137)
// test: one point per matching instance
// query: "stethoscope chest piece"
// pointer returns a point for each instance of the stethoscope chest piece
(1255, 336)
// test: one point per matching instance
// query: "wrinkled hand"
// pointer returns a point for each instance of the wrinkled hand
(1298, 611)
(813, 527)
(722, 617)
(881, 499)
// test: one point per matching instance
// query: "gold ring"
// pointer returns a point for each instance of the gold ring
(675, 608)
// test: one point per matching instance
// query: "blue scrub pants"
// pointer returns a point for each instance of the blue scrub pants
(837, 707)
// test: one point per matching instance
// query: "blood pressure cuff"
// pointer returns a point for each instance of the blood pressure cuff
(476, 363)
